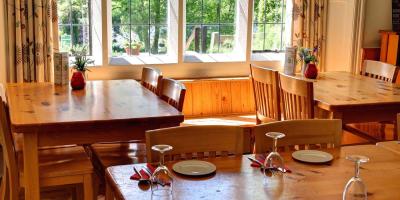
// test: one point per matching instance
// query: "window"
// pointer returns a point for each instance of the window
(139, 27)
(210, 26)
(74, 24)
(269, 26)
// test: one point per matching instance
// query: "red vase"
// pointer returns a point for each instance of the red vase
(78, 80)
(311, 71)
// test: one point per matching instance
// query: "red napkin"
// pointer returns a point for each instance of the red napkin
(261, 159)
(143, 173)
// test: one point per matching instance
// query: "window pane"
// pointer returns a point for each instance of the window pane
(80, 36)
(140, 37)
(258, 37)
(227, 39)
(193, 38)
(139, 12)
(74, 24)
(120, 40)
(158, 11)
(210, 11)
(193, 11)
(64, 32)
(140, 26)
(273, 37)
(210, 26)
(158, 39)
(120, 11)
(268, 25)
(228, 11)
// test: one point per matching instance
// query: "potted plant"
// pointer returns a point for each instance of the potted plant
(133, 48)
(309, 59)
(80, 67)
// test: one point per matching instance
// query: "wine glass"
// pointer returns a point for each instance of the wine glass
(355, 189)
(161, 187)
(274, 161)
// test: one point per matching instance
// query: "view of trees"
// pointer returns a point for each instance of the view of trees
(142, 25)
(268, 25)
(73, 20)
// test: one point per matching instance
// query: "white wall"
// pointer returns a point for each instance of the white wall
(2, 46)
(378, 17)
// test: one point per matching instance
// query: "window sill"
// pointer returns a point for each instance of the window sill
(194, 57)
(142, 59)
(268, 56)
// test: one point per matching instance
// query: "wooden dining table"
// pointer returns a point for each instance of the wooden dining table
(105, 111)
(393, 146)
(355, 98)
(236, 179)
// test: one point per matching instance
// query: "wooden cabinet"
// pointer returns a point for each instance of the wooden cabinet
(207, 97)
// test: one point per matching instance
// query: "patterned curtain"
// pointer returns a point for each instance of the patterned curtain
(308, 25)
(32, 26)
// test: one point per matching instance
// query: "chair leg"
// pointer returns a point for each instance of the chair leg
(109, 192)
(395, 131)
(383, 131)
(88, 187)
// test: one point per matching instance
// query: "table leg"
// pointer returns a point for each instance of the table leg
(31, 167)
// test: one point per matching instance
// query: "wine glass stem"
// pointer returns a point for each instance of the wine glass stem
(357, 169)
(161, 158)
(275, 146)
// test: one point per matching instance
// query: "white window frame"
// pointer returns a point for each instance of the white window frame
(101, 37)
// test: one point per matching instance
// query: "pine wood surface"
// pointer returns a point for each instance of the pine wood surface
(393, 146)
(235, 179)
(105, 111)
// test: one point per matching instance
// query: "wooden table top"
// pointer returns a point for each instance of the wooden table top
(34, 104)
(393, 146)
(235, 179)
(337, 90)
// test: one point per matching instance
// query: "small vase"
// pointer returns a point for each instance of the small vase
(78, 81)
(311, 71)
(303, 68)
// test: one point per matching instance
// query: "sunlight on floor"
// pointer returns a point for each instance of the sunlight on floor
(231, 120)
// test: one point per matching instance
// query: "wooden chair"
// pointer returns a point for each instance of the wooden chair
(297, 98)
(190, 142)
(151, 79)
(109, 154)
(385, 72)
(300, 134)
(173, 92)
(58, 166)
(266, 94)
(379, 70)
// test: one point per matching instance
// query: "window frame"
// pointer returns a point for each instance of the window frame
(102, 37)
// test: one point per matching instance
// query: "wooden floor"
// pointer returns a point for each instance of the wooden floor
(244, 120)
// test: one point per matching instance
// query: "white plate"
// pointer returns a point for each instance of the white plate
(312, 156)
(194, 167)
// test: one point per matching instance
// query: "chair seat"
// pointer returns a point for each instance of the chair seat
(118, 153)
(61, 162)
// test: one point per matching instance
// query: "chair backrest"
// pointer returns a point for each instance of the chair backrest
(379, 70)
(300, 134)
(173, 92)
(9, 152)
(266, 93)
(151, 79)
(190, 142)
(297, 98)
